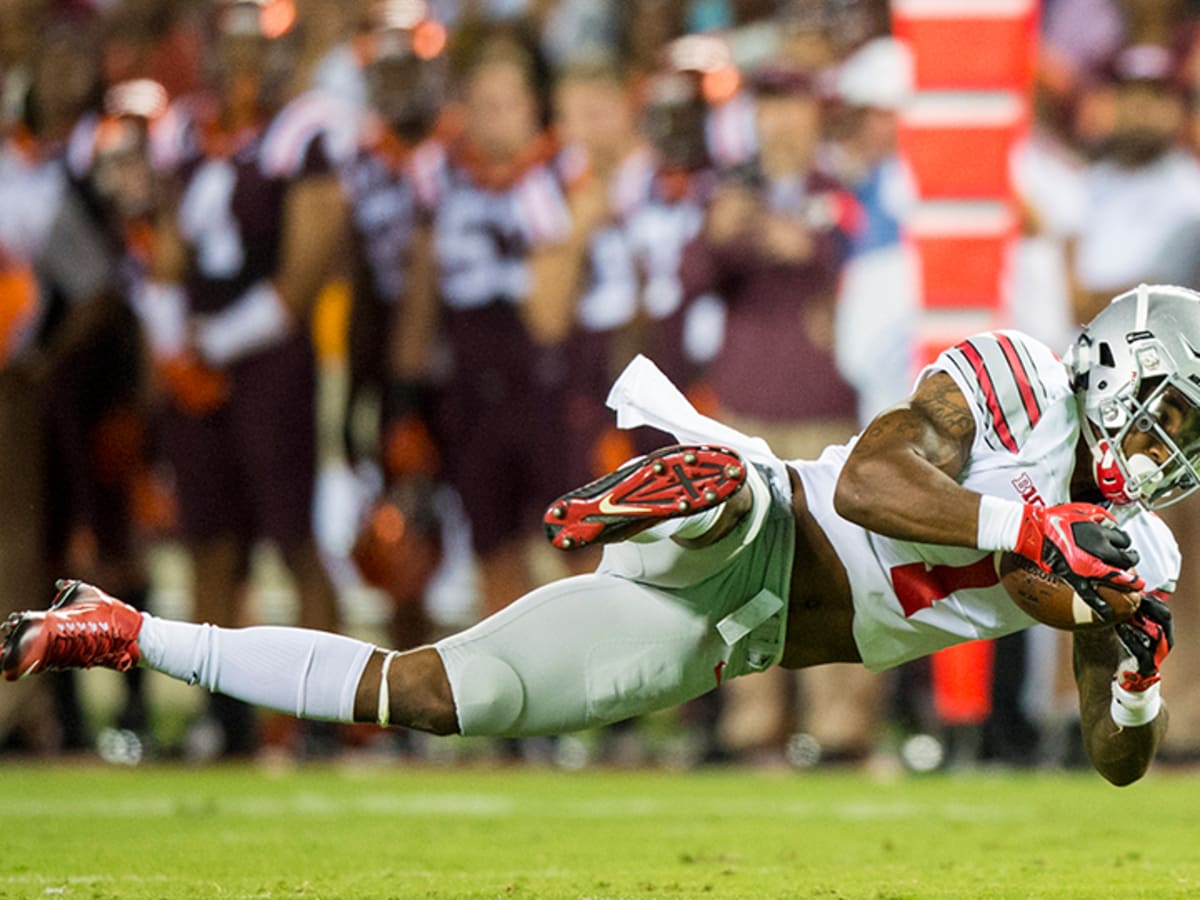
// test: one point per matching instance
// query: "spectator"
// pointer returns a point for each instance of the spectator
(1141, 220)
(325, 60)
(95, 372)
(56, 91)
(1049, 179)
(1143, 192)
(696, 124)
(500, 226)
(1080, 36)
(392, 261)
(160, 40)
(608, 168)
(772, 246)
(874, 337)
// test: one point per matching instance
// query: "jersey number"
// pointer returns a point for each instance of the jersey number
(918, 585)
(207, 220)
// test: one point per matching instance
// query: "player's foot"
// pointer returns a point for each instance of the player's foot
(668, 483)
(83, 627)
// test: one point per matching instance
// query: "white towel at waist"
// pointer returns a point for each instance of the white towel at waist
(643, 395)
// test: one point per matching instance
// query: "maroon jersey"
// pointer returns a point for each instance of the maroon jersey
(501, 410)
(247, 467)
(386, 212)
(385, 208)
(483, 232)
(772, 365)
(231, 209)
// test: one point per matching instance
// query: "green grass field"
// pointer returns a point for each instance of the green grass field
(98, 832)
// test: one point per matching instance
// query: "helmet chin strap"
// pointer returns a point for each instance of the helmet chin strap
(1109, 478)
(1114, 484)
(1105, 470)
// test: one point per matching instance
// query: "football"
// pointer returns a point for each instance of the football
(1049, 599)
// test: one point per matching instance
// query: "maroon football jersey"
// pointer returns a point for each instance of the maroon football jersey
(231, 208)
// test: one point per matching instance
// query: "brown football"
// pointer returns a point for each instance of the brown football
(1049, 599)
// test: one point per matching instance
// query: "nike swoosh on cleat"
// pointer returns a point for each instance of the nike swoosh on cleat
(607, 507)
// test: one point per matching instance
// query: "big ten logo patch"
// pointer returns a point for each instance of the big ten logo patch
(1028, 490)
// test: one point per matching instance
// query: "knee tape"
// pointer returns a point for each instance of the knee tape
(761, 492)
(488, 695)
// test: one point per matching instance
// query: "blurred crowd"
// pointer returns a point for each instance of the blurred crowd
(476, 212)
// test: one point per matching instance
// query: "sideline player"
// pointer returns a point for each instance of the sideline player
(881, 548)
(260, 218)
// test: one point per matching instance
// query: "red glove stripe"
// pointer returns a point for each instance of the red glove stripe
(1135, 683)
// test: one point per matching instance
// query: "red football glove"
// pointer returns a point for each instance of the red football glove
(1081, 544)
(194, 387)
(409, 447)
(1148, 636)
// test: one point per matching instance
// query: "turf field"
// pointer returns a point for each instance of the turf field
(96, 832)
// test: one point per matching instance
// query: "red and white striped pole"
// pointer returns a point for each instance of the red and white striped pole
(973, 67)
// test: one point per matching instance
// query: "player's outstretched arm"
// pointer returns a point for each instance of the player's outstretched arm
(899, 479)
(1116, 672)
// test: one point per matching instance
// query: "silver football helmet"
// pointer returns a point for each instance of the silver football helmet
(1136, 369)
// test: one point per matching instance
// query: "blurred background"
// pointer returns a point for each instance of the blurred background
(307, 309)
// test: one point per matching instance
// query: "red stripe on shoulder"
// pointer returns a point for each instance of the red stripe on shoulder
(989, 392)
(1021, 377)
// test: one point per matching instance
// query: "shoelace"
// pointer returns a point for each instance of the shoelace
(75, 644)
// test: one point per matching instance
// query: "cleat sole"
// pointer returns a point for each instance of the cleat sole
(671, 482)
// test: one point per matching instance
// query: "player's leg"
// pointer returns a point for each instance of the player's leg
(25, 713)
(576, 653)
(273, 426)
(598, 648)
(642, 633)
(311, 674)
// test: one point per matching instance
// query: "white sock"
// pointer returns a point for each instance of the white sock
(310, 674)
(684, 526)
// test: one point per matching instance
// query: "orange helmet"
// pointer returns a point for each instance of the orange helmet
(398, 546)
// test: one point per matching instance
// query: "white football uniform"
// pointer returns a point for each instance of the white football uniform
(657, 624)
(911, 599)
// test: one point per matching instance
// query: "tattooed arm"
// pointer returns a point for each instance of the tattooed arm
(899, 478)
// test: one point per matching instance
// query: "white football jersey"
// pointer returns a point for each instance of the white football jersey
(911, 599)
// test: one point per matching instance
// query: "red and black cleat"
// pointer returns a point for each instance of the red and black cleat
(83, 627)
(668, 483)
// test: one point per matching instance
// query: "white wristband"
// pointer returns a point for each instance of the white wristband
(162, 307)
(999, 523)
(1130, 709)
(257, 319)
(384, 709)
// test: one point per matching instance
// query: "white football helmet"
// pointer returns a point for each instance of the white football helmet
(1136, 368)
